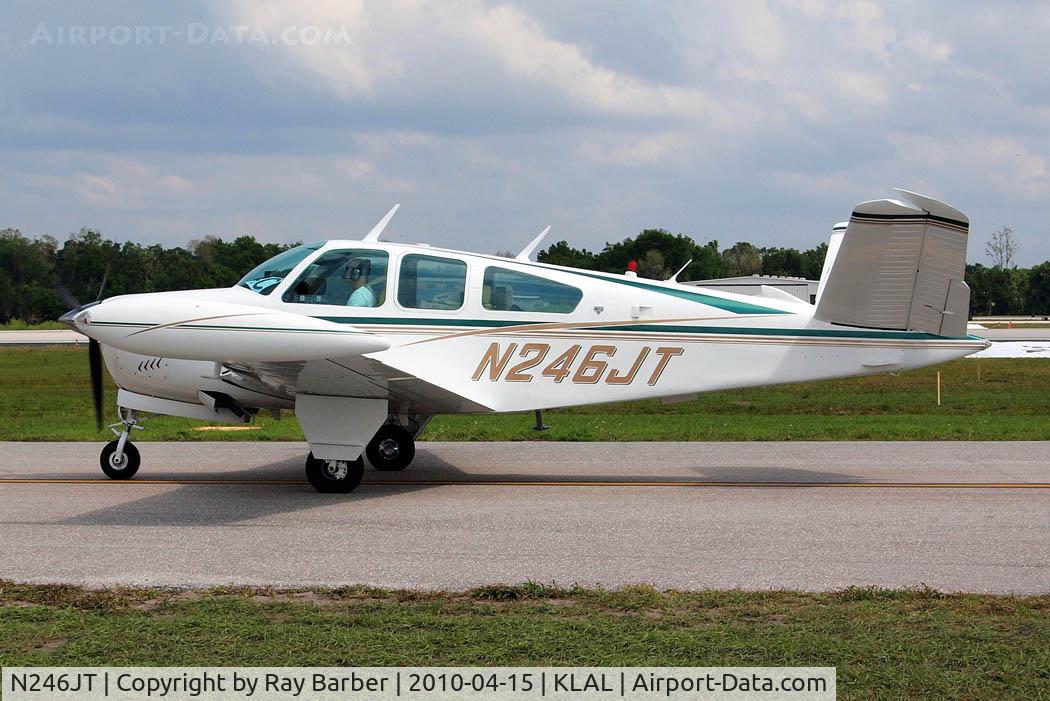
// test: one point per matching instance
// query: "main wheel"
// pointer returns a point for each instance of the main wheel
(120, 467)
(334, 476)
(391, 449)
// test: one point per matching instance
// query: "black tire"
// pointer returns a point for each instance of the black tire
(126, 468)
(391, 449)
(343, 482)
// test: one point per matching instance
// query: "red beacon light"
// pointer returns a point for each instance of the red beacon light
(632, 269)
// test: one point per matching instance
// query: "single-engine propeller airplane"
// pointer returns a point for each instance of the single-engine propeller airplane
(367, 340)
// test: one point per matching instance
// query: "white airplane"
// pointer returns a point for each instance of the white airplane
(367, 340)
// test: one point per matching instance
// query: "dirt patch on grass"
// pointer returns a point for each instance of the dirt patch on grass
(641, 600)
(51, 644)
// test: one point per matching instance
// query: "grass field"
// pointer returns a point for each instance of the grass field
(1017, 325)
(45, 395)
(17, 325)
(912, 644)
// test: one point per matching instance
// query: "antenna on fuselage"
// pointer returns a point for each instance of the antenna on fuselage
(674, 278)
(373, 235)
(527, 251)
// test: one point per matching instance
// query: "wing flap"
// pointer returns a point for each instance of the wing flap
(357, 376)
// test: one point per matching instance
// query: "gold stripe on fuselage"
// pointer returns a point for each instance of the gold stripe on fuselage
(570, 332)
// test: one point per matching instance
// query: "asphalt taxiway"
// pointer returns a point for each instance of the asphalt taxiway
(814, 516)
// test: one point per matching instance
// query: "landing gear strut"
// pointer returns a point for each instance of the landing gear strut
(334, 476)
(120, 458)
(391, 449)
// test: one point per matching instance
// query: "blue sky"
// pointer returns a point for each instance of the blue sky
(752, 121)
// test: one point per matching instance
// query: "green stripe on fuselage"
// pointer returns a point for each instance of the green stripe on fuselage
(648, 328)
(748, 331)
(728, 305)
(410, 321)
(364, 321)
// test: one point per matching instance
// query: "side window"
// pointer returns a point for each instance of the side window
(347, 277)
(511, 291)
(429, 282)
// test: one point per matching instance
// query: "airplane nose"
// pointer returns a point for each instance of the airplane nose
(74, 317)
(194, 327)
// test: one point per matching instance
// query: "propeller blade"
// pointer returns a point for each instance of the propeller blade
(95, 363)
(66, 296)
(102, 287)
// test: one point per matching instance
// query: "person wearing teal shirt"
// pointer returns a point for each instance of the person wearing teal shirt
(356, 273)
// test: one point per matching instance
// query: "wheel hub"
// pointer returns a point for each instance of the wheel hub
(389, 448)
(336, 469)
(116, 460)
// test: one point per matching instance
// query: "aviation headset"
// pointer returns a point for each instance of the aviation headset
(361, 268)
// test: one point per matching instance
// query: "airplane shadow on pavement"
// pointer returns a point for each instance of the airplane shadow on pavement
(189, 504)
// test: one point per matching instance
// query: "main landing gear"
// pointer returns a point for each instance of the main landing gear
(120, 458)
(391, 449)
(334, 476)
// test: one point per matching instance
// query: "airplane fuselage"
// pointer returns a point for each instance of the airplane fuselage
(367, 340)
(625, 338)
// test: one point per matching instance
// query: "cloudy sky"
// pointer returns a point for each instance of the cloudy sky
(753, 121)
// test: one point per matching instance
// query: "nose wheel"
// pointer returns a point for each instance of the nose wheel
(391, 449)
(117, 464)
(120, 458)
(334, 476)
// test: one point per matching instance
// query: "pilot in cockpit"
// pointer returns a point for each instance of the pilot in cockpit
(356, 274)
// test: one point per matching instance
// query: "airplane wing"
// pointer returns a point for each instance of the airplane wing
(266, 351)
(353, 376)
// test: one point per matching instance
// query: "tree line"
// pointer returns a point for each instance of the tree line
(660, 254)
(40, 278)
(37, 273)
(999, 289)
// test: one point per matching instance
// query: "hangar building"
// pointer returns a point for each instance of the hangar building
(804, 289)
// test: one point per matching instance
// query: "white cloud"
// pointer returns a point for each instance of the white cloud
(863, 87)
(483, 117)
(356, 168)
(926, 47)
(524, 50)
(757, 32)
(634, 150)
(350, 70)
(127, 183)
(96, 189)
(1003, 164)
(399, 44)
(867, 31)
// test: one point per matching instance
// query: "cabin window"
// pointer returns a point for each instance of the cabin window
(430, 282)
(510, 291)
(264, 278)
(350, 277)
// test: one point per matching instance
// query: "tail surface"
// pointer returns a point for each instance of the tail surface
(899, 266)
(837, 232)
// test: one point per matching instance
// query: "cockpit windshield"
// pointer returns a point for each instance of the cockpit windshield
(265, 278)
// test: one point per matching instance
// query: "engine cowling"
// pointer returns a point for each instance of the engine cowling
(200, 329)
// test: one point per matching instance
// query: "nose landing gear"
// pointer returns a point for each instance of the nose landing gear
(120, 458)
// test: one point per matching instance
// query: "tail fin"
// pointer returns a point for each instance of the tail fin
(899, 266)
(837, 232)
